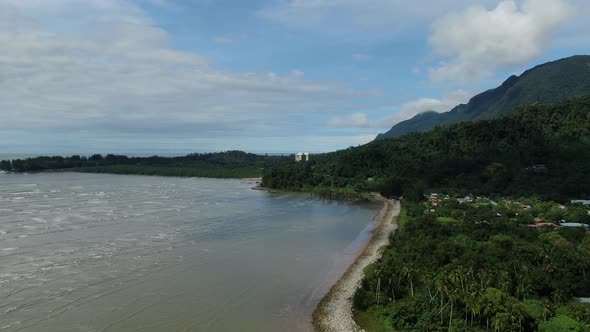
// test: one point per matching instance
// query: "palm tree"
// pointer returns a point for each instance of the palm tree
(504, 281)
(458, 277)
(498, 322)
(410, 274)
(472, 306)
(485, 279)
(426, 278)
(378, 290)
(558, 296)
(519, 313)
(547, 313)
(392, 290)
(523, 286)
(547, 257)
(455, 278)
(441, 288)
(451, 315)
(582, 260)
(487, 309)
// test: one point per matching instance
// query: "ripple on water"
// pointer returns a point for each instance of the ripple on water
(120, 253)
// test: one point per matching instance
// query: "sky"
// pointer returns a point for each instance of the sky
(263, 76)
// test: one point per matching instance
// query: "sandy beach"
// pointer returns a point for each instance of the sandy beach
(259, 179)
(334, 313)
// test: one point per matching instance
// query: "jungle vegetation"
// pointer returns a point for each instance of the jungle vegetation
(479, 267)
(541, 149)
(230, 164)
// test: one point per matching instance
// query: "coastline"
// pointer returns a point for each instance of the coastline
(256, 179)
(334, 312)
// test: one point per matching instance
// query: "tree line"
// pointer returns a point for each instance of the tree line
(537, 149)
(230, 164)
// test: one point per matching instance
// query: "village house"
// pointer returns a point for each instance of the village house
(544, 225)
(434, 199)
(525, 207)
(466, 199)
(539, 223)
(574, 225)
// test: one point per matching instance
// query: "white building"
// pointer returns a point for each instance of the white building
(302, 156)
(574, 225)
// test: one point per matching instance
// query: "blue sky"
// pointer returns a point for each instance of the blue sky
(80, 76)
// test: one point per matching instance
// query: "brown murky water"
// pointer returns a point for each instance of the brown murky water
(85, 252)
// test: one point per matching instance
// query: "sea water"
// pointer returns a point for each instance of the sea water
(95, 252)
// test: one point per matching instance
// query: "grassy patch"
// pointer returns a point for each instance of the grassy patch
(403, 217)
(369, 269)
(371, 321)
(446, 220)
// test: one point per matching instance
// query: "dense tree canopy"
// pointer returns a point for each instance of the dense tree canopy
(468, 268)
(542, 149)
(231, 164)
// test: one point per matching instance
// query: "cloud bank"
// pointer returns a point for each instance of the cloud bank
(476, 41)
(115, 76)
(356, 16)
(104, 71)
(405, 111)
(352, 120)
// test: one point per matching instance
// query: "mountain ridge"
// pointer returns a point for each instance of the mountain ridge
(546, 83)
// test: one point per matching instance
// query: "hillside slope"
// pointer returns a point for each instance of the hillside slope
(547, 83)
(488, 156)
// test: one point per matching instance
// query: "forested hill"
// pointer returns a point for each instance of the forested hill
(230, 164)
(550, 82)
(537, 149)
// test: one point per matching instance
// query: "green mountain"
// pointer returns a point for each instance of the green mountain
(539, 149)
(547, 83)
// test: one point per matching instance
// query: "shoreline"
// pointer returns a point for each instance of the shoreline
(334, 313)
(256, 179)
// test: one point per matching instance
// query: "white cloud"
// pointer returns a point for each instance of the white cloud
(356, 16)
(297, 73)
(405, 112)
(413, 108)
(469, 43)
(444, 104)
(351, 120)
(79, 11)
(117, 78)
(477, 41)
